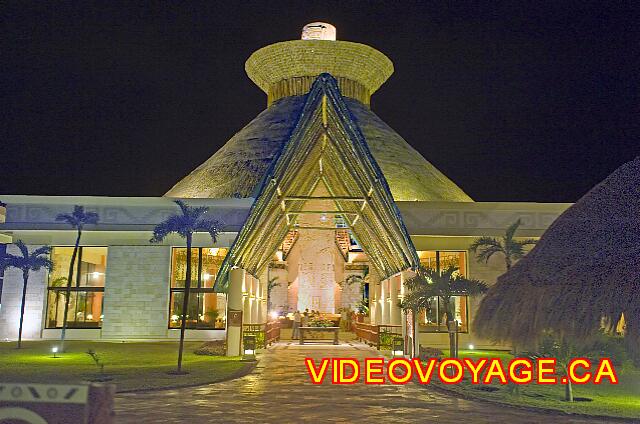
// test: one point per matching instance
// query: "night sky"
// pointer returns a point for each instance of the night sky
(514, 102)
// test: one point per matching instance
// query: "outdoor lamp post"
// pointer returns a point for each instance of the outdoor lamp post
(249, 347)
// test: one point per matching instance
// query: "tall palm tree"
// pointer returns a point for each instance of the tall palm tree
(485, 247)
(26, 262)
(443, 284)
(185, 224)
(362, 280)
(77, 220)
(271, 284)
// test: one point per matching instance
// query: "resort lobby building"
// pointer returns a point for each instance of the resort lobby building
(315, 189)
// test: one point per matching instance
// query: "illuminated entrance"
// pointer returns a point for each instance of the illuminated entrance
(324, 184)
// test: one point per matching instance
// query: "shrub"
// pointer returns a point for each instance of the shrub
(211, 348)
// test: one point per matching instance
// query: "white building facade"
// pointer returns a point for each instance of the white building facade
(129, 288)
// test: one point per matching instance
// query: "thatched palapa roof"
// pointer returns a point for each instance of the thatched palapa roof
(238, 167)
(585, 267)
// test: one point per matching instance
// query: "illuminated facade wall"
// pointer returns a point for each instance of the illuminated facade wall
(11, 298)
(136, 292)
(138, 276)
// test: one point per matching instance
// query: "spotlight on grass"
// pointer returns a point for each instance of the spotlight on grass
(54, 350)
(471, 347)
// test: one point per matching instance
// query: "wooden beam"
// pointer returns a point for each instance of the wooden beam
(294, 227)
(344, 198)
(321, 212)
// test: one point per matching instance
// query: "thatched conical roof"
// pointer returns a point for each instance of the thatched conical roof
(239, 166)
(585, 267)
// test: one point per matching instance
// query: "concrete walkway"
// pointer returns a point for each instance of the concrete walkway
(279, 391)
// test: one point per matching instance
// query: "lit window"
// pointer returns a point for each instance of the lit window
(433, 318)
(207, 309)
(86, 289)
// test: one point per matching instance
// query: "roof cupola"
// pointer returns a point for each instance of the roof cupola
(289, 68)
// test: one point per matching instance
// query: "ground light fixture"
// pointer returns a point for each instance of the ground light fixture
(54, 350)
(471, 347)
(249, 347)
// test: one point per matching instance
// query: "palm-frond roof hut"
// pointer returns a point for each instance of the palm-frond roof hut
(286, 71)
(586, 267)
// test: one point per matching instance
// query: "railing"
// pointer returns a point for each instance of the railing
(272, 332)
(386, 334)
(367, 333)
(265, 333)
(380, 336)
(258, 331)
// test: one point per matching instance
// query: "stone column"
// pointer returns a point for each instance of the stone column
(234, 301)
(246, 309)
(394, 291)
(378, 304)
(264, 279)
(384, 284)
(255, 317)
(259, 307)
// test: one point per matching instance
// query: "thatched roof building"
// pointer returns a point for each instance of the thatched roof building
(285, 72)
(585, 267)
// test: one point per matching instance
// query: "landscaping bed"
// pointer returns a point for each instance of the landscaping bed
(610, 400)
(130, 366)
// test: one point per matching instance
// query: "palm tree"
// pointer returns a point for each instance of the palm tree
(360, 279)
(26, 262)
(271, 284)
(77, 220)
(512, 249)
(444, 284)
(185, 224)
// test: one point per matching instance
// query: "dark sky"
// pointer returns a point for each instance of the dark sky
(516, 102)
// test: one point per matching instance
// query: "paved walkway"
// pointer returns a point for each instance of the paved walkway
(279, 391)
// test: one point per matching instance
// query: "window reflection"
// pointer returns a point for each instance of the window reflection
(86, 289)
(433, 318)
(207, 309)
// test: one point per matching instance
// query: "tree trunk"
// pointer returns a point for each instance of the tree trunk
(415, 337)
(185, 303)
(632, 335)
(63, 333)
(25, 279)
(514, 388)
(452, 327)
(568, 388)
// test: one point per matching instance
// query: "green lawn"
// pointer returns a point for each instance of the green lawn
(619, 400)
(133, 366)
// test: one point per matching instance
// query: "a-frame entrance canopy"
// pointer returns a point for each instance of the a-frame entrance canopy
(325, 153)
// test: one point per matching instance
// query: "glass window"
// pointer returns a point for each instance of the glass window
(433, 318)
(207, 309)
(86, 288)
(440, 259)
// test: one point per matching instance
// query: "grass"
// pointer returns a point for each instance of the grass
(132, 366)
(612, 400)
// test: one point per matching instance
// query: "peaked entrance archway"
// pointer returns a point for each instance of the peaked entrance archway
(324, 179)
